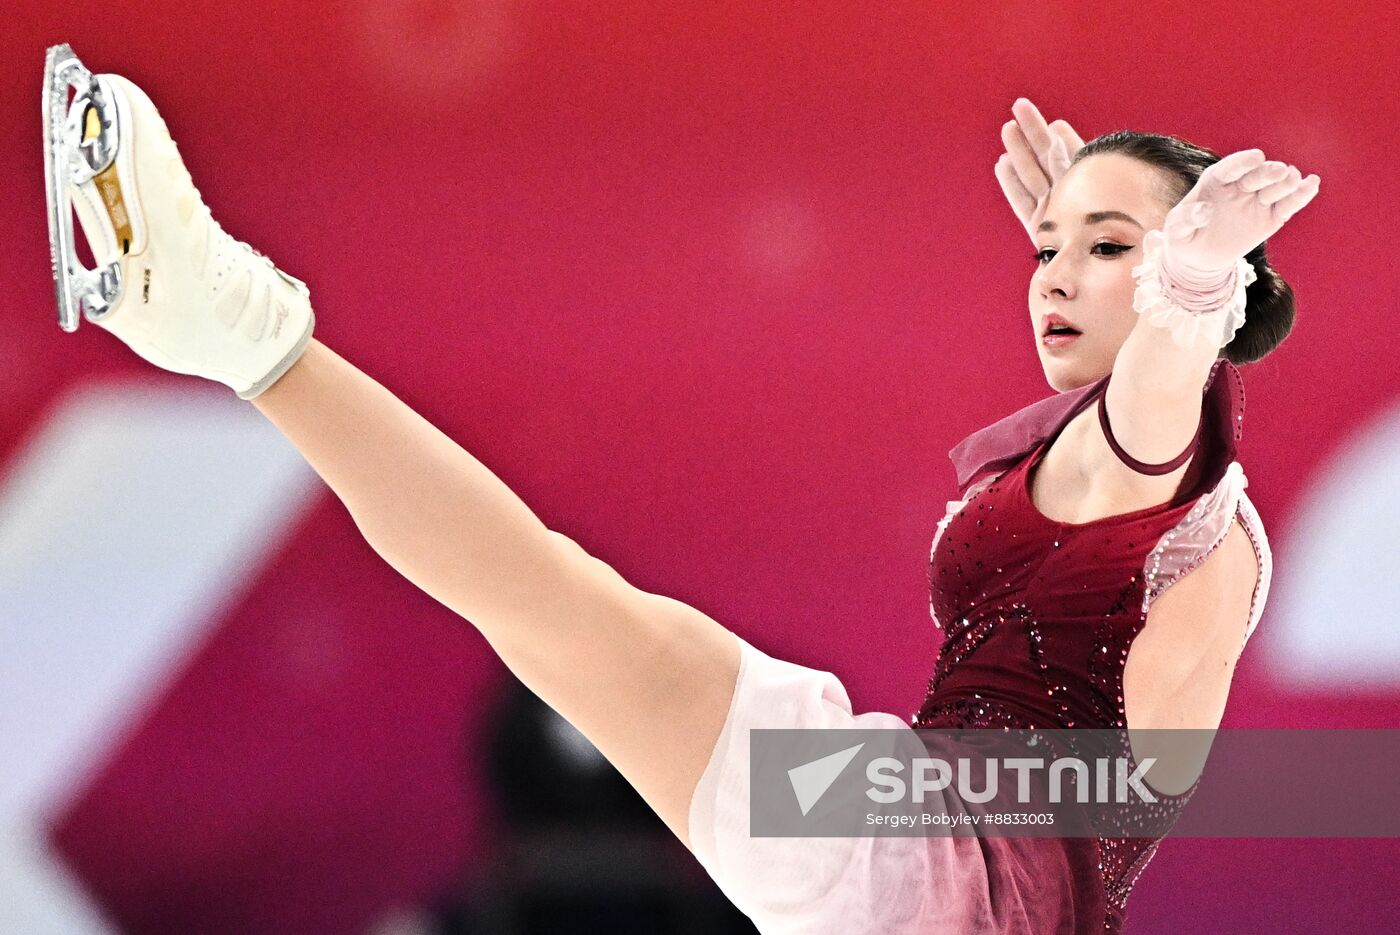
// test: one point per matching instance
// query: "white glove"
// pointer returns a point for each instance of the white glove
(1193, 276)
(1037, 154)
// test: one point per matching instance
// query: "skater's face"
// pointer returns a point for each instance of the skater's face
(1085, 264)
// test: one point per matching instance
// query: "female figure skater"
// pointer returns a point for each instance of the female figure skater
(1075, 533)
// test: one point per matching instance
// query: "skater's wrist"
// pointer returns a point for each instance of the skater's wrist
(1210, 312)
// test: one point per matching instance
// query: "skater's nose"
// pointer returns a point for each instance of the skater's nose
(1056, 277)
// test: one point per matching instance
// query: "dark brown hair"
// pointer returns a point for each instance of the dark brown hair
(1269, 304)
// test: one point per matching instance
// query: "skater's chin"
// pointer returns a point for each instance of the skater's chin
(1064, 375)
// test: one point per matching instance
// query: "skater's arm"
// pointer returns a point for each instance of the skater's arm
(1191, 294)
(1153, 400)
(646, 678)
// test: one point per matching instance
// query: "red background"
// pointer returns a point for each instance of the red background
(714, 290)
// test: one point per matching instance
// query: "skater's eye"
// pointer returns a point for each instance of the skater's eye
(1044, 256)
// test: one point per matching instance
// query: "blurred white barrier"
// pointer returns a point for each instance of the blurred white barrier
(126, 527)
(1335, 614)
(37, 894)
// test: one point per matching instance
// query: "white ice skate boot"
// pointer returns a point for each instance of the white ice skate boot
(170, 282)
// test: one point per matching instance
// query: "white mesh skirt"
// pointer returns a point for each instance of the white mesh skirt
(930, 885)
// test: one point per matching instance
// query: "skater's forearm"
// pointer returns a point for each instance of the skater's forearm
(430, 509)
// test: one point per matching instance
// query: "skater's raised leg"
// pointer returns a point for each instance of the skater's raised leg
(646, 678)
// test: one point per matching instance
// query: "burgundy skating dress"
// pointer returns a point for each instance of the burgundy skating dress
(1039, 616)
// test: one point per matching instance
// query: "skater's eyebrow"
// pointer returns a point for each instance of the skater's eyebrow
(1094, 217)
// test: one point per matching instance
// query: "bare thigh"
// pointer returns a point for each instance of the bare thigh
(646, 678)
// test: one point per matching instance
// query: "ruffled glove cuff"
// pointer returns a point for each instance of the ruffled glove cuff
(1191, 316)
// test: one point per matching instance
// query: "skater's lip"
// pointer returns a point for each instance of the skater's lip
(1055, 319)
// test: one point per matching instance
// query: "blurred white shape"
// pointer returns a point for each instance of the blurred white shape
(1336, 624)
(126, 528)
(571, 745)
(780, 237)
(37, 894)
(403, 922)
(435, 51)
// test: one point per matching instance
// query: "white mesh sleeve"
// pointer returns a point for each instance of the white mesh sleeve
(954, 508)
(1254, 528)
(1201, 531)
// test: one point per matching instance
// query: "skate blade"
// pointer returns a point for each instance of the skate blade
(81, 143)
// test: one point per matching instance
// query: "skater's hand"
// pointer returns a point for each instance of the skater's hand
(1237, 204)
(1037, 154)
